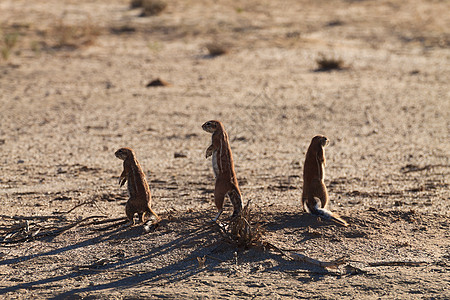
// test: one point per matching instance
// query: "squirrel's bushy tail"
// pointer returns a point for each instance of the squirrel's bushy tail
(325, 213)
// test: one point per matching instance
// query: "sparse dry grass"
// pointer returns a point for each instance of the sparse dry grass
(57, 35)
(73, 36)
(8, 42)
(136, 3)
(325, 63)
(153, 7)
(244, 231)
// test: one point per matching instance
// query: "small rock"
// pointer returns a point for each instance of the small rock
(157, 82)
(108, 85)
(60, 171)
(20, 161)
(216, 49)
(179, 155)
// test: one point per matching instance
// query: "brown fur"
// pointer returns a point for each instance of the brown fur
(138, 189)
(315, 198)
(223, 166)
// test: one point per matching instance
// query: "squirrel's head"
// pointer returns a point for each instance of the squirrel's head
(211, 126)
(321, 140)
(123, 153)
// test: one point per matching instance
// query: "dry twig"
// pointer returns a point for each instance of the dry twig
(20, 218)
(242, 230)
(97, 264)
(323, 264)
(56, 232)
(122, 220)
(397, 263)
(84, 203)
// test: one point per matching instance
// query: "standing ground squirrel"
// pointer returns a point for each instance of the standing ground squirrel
(223, 166)
(138, 189)
(315, 196)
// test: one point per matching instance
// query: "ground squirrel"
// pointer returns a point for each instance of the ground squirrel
(223, 166)
(138, 189)
(315, 196)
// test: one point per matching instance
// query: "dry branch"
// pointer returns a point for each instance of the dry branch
(242, 230)
(21, 218)
(269, 245)
(303, 258)
(397, 263)
(413, 168)
(312, 273)
(56, 232)
(352, 270)
(65, 228)
(97, 264)
(323, 264)
(122, 220)
(84, 203)
(107, 221)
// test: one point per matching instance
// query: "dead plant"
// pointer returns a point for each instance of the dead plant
(153, 7)
(244, 230)
(9, 41)
(74, 36)
(136, 3)
(329, 63)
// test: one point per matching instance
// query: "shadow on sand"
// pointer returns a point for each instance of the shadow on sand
(191, 231)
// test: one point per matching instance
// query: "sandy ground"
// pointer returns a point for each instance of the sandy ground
(73, 90)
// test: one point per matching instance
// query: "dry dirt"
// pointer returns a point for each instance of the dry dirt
(73, 89)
